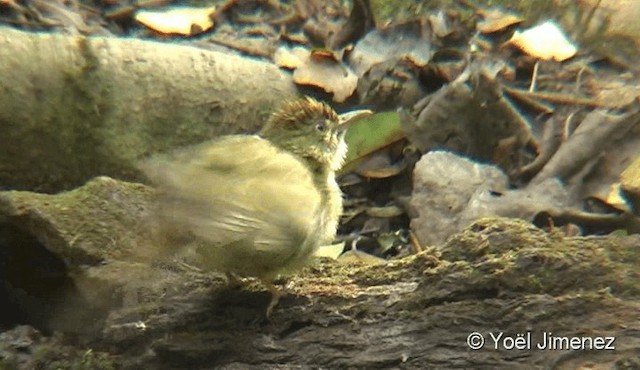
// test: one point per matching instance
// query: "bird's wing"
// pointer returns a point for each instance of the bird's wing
(239, 191)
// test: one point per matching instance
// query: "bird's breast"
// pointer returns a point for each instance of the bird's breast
(332, 209)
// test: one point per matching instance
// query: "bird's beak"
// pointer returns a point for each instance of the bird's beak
(348, 118)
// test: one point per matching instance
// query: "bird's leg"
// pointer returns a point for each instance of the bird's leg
(275, 295)
(234, 280)
(187, 267)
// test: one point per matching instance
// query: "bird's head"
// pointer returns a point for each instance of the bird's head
(311, 130)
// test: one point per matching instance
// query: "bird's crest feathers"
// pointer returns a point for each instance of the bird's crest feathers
(301, 110)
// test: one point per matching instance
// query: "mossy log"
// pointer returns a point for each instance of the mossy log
(498, 276)
(75, 107)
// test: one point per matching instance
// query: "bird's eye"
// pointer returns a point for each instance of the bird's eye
(321, 126)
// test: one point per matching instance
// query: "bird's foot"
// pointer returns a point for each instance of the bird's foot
(276, 294)
(235, 281)
(187, 267)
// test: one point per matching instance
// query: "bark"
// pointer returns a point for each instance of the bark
(75, 107)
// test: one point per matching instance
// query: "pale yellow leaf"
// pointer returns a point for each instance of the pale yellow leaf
(180, 21)
(546, 41)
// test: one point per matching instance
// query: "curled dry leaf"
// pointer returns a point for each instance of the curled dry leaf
(58, 13)
(496, 20)
(471, 116)
(290, 58)
(616, 198)
(385, 212)
(357, 256)
(439, 24)
(546, 41)
(378, 165)
(360, 21)
(177, 21)
(630, 184)
(318, 68)
(630, 177)
(383, 173)
(332, 251)
(616, 93)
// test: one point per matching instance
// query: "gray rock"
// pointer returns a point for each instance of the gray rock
(451, 191)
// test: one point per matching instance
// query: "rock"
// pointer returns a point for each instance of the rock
(451, 191)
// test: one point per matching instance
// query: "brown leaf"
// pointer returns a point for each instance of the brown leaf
(496, 20)
(318, 68)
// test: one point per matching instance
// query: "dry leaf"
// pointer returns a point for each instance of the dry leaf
(630, 184)
(616, 198)
(356, 256)
(496, 20)
(318, 68)
(177, 21)
(332, 251)
(411, 39)
(384, 212)
(546, 41)
(290, 58)
(616, 93)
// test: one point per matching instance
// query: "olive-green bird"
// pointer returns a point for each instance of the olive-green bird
(256, 205)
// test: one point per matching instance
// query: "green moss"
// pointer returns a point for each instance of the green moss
(517, 257)
(530, 10)
(51, 358)
(8, 364)
(496, 257)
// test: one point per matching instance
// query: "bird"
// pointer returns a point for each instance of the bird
(256, 205)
